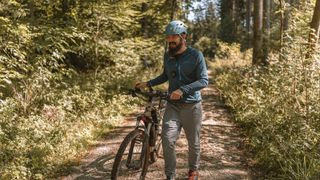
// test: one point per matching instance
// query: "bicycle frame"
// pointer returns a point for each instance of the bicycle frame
(148, 119)
(145, 135)
(151, 116)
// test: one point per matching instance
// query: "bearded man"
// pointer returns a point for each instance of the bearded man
(185, 69)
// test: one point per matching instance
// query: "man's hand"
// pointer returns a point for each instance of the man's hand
(141, 85)
(176, 95)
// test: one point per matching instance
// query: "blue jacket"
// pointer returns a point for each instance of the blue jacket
(187, 72)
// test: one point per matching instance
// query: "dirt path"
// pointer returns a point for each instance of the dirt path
(221, 153)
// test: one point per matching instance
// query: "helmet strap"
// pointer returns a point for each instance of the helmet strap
(184, 39)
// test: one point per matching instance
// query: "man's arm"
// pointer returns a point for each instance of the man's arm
(158, 80)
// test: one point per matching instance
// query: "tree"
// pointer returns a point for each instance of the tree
(266, 28)
(227, 25)
(286, 14)
(50, 47)
(205, 27)
(248, 21)
(174, 6)
(257, 34)
(210, 20)
(281, 24)
(144, 21)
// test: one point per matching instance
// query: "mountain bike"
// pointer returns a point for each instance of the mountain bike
(141, 146)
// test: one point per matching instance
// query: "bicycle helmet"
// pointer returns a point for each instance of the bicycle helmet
(176, 27)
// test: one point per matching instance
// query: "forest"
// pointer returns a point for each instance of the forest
(64, 65)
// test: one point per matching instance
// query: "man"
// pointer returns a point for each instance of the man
(185, 69)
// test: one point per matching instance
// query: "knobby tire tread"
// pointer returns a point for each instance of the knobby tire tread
(146, 152)
(126, 142)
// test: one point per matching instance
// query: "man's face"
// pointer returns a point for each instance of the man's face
(175, 43)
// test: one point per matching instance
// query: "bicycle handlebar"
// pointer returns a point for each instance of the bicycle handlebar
(152, 93)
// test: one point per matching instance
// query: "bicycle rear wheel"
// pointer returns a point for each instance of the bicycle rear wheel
(130, 157)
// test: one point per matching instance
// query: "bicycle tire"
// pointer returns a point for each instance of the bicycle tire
(128, 160)
(146, 154)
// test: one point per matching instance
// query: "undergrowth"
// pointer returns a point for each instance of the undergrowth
(278, 107)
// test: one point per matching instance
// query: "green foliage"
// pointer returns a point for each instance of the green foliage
(278, 105)
(228, 51)
(207, 46)
(231, 14)
(279, 108)
(44, 127)
(204, 28)
(229, 57)
(63, 65)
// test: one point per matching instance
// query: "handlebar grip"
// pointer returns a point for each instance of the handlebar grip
(134, 92)
(136, 89)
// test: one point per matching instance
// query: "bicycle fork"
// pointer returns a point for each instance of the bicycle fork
(145, 144)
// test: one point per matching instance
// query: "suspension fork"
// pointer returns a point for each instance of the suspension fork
(148, 130)
(146, 142)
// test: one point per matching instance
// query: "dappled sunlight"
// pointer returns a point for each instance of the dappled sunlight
(221, 154)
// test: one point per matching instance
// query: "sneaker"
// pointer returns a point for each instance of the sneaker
(193, 175)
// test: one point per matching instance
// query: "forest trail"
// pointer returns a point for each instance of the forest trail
(222, 153)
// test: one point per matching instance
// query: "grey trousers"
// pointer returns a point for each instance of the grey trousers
(188, 117)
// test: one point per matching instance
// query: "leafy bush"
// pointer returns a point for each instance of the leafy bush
(229, 57)
(279, 108)
(41, 127)
(50, 109)
(207, 46)
(278, 105)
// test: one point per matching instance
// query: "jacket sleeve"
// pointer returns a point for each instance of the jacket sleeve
(162, 78)
(202, 77)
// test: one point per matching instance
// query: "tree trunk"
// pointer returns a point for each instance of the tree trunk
(281, 27)
(257, 33)
(233, 10)
(64, 6)
(186, 9)
(144, 32)
(173, 9)
(287, 10)
(314, 33)
(237, 18)
(266, 27)
(144, 21)
(248, 22)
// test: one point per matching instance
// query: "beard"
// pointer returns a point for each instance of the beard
(173, 50)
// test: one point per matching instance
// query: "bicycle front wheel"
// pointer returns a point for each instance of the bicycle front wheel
(130, 157)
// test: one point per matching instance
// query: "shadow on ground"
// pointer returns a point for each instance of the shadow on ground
(222, 155)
